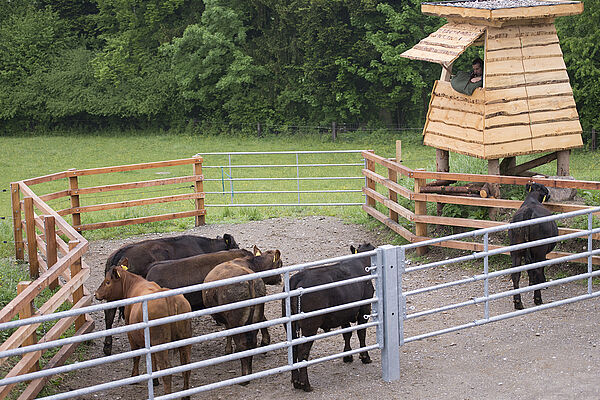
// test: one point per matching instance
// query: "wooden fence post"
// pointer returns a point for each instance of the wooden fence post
(27, 311)
(34, 269)
(259, 129)
(420, 209)
(51, 248)
(594, 139)
(15, 196)
(442, 164)
(333, 130)
(73, 190)
(370, 182)
(199, 188)
(78, 293)
(393, 176)
(562, 162)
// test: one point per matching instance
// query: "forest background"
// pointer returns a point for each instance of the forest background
(232, 64)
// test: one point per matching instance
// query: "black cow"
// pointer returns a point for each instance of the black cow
(329, 298)
(141, 254)
(531, 208)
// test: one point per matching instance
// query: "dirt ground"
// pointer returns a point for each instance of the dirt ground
(552, 354)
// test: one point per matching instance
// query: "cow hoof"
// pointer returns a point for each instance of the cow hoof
(155, 382)
(518, 305)
(538, 302)
(365, 360)
(244, 383)
(348, 359)
(265, 343)
(107, 351)
(307, 388)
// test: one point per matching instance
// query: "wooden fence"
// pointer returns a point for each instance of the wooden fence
(417, 194)
(54, 261)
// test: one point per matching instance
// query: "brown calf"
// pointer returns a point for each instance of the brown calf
(120, 284)
(239, 292)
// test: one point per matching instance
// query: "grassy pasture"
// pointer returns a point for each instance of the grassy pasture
(29, 156)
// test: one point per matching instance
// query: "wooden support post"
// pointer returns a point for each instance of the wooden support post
(508, 166)
(34, 269)
(393, 176)
(446, 73)
(259, 129)
(73, 188)
(51, 248)
(78, 293)
(442, 164)
(562, 163)
(494, 169)
(370, 182)
(594, 147)
(27, 311)
(199, 188)
(15, 196)
(420, 209)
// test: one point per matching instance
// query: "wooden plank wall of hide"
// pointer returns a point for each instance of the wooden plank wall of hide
(455, 120)
(529, 101)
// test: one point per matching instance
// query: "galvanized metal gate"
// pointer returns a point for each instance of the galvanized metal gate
(390, 270)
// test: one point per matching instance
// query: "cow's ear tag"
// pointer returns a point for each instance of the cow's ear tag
(257, 252)
(355, 251)
(124, 267)
(544, 199)
(529, 189)
(275, 258)
(118, 274)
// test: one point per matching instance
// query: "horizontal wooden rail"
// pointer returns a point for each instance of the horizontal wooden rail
(140, 220)
(135, 185)
(61, 224)
(393, 165)
(132, 167)
(23, 332)
(29, 359)
(407, 214)
(508, 180)
(45, 178)
(388, 183)
(13, 307)
(54, 196)
(131, 203)
(390, 223)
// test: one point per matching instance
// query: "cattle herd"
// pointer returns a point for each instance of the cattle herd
(151, 266)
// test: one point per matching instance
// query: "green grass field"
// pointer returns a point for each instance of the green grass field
(32, 156)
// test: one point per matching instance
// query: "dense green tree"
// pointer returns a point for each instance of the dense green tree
(580, 42)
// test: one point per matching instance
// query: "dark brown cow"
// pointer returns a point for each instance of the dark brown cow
(329, 298)
(141, 254)
(531, 208)
(190, 271)
(120, 284)
(239, 292)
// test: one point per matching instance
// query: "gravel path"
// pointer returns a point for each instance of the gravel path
(551, 354)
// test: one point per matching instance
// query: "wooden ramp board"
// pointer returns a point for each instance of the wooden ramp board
(446, 44)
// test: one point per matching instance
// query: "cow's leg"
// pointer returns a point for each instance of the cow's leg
(537, 276)
(155, 381)
(516, 277)
(265, 339)
(362, 334)
(161, 362)
(185, 356)
(228, 346)
(109, 316)
(347, 336)
(303, 354)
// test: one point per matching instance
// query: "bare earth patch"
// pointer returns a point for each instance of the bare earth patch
(551, 354)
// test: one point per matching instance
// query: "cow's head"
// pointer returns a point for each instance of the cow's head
(361, 248)
(112, 286)
(230, 242)
(266, 260)
(538, 192)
